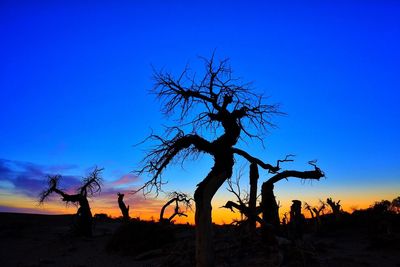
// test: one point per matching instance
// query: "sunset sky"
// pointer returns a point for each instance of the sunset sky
(75, 80)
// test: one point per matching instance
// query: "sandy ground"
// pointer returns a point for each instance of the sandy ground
(46, 240)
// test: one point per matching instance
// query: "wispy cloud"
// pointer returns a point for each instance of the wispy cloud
(125, 180)
(29, 179)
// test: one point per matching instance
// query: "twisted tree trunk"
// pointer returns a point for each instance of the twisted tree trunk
(162, 219)
(270, 208)
(84, 214)
(203, 195)
(85, 218)
(124, 209)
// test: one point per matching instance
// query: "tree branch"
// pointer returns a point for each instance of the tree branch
(160, 156)
(315, 174)
(251, 159)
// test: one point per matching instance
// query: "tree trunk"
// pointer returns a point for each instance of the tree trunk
(296, 221)
(163, 209)
(269, 206)
(203, 195)
(85, 218)
(124, 209)
(204, 234)
(270, 213)
(253, 197)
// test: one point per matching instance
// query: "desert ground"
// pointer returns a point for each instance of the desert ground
(30, 240)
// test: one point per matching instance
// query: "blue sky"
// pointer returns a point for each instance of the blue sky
(75, 76)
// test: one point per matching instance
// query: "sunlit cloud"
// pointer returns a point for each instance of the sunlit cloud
(125, 180)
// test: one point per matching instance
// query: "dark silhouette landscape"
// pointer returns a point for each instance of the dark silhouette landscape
(369, 237)
(231, 112)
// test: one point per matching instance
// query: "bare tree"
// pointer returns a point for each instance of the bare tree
(317, 210)
(243, 204)
(176, 197)
(224, 107)
(335, 206)
(315, 213)
(310, 210)
(269, 207)
(91, 185)
(124, 209)
(296, 220)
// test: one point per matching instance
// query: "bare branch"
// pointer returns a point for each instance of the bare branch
(92, 183)
(52, 181)
(286, 159)
(178, 198)
(315, 174)
(166, 151)
(251, 159)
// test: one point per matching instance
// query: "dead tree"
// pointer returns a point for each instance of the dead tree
(243, 202)
(124, 209)
(285, 219)
(176, 197)
(315, 213)
(270, 208)
(216, 103)
(91, 185)
(335, 206)
(310, 210)
(317, 210)
(296, 221)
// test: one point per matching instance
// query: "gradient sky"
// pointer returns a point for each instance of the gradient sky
(74, 81)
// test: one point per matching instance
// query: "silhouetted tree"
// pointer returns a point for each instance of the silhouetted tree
(124, 209)
(269, 206)
(243, 202)
(91, 185)
(296, 220)
(285, 219)
(221, 105)
(176, 197)
(270, 221)
(335, 206)
(315, 212)
(309, 208)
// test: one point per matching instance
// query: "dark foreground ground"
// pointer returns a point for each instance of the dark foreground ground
(47, 240)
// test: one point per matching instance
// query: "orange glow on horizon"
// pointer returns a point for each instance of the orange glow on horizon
(149, 209)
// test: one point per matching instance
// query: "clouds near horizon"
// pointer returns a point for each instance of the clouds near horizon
(27, 178)
(21, 182)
